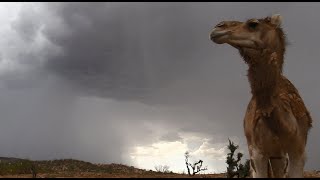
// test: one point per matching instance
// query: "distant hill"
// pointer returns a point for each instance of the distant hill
(15, 167)
(9, 159)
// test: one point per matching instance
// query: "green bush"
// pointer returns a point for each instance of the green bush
(235, 168)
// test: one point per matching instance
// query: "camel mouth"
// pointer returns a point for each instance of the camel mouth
(218, 36)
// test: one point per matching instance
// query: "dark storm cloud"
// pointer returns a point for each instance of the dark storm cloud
(171, 136)
(120, 55)
(141, 63)
(98, 57)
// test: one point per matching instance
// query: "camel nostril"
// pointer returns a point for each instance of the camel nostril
(220, 24)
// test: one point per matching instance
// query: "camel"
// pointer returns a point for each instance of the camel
(277, 122)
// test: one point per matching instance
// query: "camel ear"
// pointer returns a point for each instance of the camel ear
(276, 20)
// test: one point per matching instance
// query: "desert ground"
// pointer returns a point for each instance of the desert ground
(17, 168)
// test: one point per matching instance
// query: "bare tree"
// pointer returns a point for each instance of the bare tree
(195, 167)
(163, 169)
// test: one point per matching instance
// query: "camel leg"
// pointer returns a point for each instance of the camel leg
(296, 165)
(279, 166)
(259, 165)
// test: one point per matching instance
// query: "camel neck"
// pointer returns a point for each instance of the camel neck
(264, 78)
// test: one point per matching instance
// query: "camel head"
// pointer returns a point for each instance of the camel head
(252, 36)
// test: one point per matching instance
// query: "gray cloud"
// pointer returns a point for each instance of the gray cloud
(99, 78)
(27, 23)
(171, 136)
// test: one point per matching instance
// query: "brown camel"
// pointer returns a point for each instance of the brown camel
(276, 123)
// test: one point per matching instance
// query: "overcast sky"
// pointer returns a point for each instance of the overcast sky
(138, 83)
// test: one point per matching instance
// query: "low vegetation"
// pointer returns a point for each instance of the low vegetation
(235, 167)
(162, 168)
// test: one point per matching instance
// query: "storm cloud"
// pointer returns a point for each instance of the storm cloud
(94, 80)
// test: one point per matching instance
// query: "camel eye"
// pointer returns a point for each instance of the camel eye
(253, 25)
